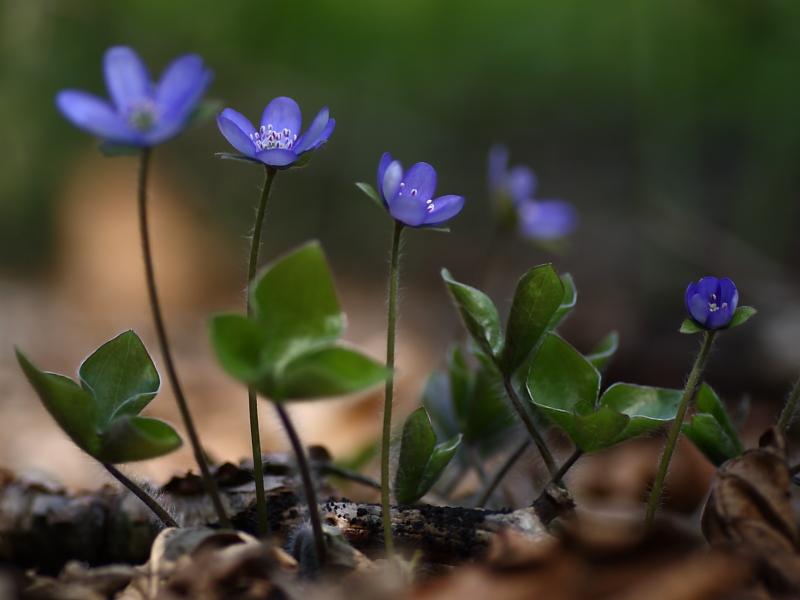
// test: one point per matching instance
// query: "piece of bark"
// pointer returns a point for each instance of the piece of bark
(43, 525)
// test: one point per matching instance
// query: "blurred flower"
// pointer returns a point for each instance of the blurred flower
(513, 191)
(409, 196)
(140, 113)
(712, 302)
(276, 142)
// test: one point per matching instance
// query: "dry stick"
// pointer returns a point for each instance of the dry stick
(691, 386)
(137, 491)
(252, 397)
(394, 279)
(161, 332)
(308, 484)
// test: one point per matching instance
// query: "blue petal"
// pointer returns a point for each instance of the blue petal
(445, 208)
(282, 113)
(728, 293)
(498, 163)
(326, 133)
(690, 293)
(547, 219)
(314, 131)
(96, 116)
(390, 186)
(182, 84)
(237, 138)
(719, 318)
(422, 178)
(521, 184)
(277, 157)
(386, 160)
(239, 119)
(127, 78)
(708, 286)
(698, 308)
(409, 210)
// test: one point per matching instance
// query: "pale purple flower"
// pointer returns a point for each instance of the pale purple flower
(409, 196)
(140, 112)
(711, 302)
(514, 191)
(277, 142)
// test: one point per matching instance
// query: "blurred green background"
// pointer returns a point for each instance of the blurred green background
(673, 126)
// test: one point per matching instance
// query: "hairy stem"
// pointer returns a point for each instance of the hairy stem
(537, 438)
(789, 409)
(252, 397)
(691, 386)
(394, 279)
(501, 473)
(137, 491)
(163, 343)
(566, 466)
(308, 483)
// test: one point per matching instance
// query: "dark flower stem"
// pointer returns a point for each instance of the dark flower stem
(789, 409)
(558, 476)
(501, 473)
(308, 483)
(394, 280)
(137, 491)
(691, 387)
(163, 343)
(547, 456)
(252, 397)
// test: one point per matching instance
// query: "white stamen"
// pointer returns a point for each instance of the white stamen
(430, 206)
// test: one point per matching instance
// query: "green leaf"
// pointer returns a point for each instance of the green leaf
(567, 302)
(604, 351)
(113, 149)
(204, 111)
(478, 313)
(710, 438)
(647, 407)
(707, 401)
(326, 371)
(691, 326)
(742, 314)
(460, 385)
(302, 160)
(416, 447)
(121, 377)
(239, 157)
(489, 416)
(237, 343)
(537, 298)
(73, 408)
(129, 439)
(440, 458)
(436, 400)
(559, 379)
(296, 304)
(372, 193)
(595, 429)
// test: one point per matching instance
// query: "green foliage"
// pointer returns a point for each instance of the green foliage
(372, 193)
(100, 415)
(421, 461)
(711, 430)
(565, 386)
(478, 313)
(289, 349)
(604, 352)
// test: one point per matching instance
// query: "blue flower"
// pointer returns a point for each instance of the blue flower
(514, 192)
(140, 113)
(277, 142)
(409, 196)
(712, 302)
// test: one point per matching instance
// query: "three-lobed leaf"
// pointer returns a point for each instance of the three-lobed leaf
(646, 407)
(711, 429)
(537, 299)
(567, 302)
(604, 351)
(479, 315)
(133, 438)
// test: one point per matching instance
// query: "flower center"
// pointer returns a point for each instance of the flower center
(713, 307)
(266, 138)
(429, 202)
(143, 114)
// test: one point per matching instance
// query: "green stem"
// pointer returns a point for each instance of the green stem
(791, 406)
(510, 461)
(252, 397)
(137, 491)
(394, 279)
(566, 466)
(691, 386)
(308, 483)
(537, 438)
(163, 343)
